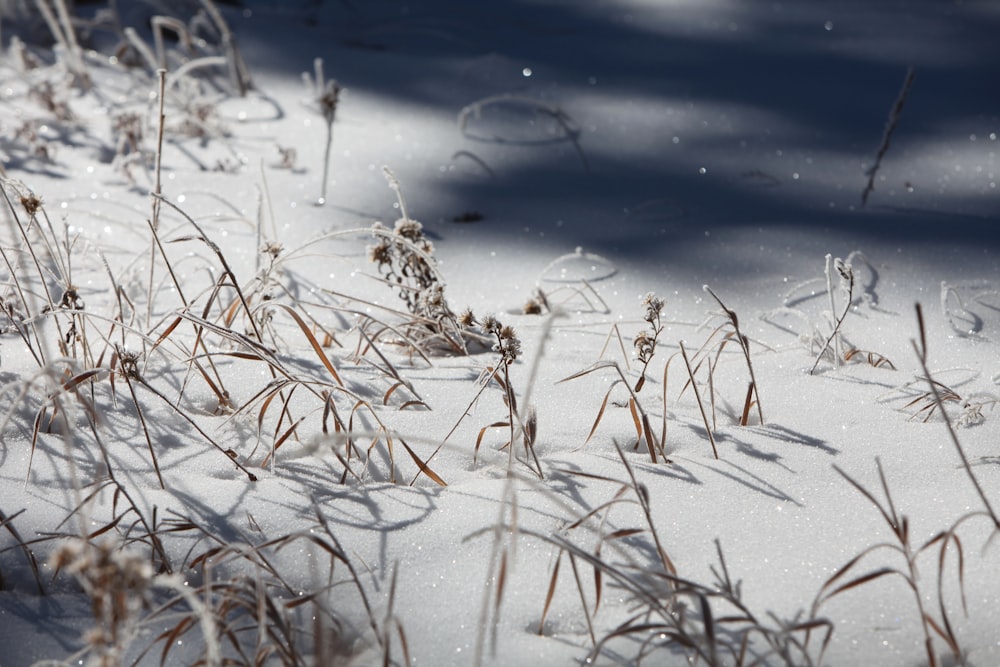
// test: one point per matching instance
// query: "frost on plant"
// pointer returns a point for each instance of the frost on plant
(405, 260)
(116, 581)
(645, 341)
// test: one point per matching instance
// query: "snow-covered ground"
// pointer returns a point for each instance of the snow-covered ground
(592, 158)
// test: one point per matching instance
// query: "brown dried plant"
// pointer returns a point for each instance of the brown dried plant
(644, 343)
(519, 426)
(932, 625)
(405, 260)
(668, 615)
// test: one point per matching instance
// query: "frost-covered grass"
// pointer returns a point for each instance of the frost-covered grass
(524, 333)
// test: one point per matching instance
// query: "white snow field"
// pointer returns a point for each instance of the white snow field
(646, 383)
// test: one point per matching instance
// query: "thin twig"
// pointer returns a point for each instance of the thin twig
(890, 127)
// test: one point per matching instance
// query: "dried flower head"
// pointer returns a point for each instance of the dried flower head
(272, 248)
(844, 269)
(31, 203)
(128, 363)
(410, 230)
(328, 101)
(511, 348)
(508, 344)
(537, 304)
(71, 299)
(380, 253)
(645, 344)
(467, 319)
(653, 307)
(490, 324)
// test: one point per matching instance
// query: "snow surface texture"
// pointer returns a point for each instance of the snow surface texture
(579, 155)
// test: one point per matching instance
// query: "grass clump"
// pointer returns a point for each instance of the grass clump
(404, 257)
(520, 426)
(644, 344)
(852, 281)
(666, 615)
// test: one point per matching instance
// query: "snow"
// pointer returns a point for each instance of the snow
(598, 152)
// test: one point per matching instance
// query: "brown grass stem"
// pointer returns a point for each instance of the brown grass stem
(697, 395)
(744, 344)
(847, 275)
(921, 351)
(890, 127)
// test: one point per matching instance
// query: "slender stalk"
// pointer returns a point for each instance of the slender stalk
(890, 127)
(157, 195)
(921, 350)
(848, 275)
(704, 417)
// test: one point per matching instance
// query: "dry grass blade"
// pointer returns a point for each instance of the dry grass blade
(939, 400)
(651, 443)
(637, 424)
(583, 599)
(639, 417)
(600, 413)
(860, 580)
(927, 403)
(617, 498)
(747, 405)
(900, 528)
(621, 345)
(145, 428)
(872, 358)
(186, 417)
(392, 620)
(744, 344)
(890, 517)
(708, 623)
(171, 636)
(317, 348)
(272, 455)
(890, 127)
(227, 270)
(78, 379)
(504, 531)
(946, 633)
(642, 494)
(424, 468)
(8, 523)
(492, 375)
(550, 593)
(945, 538)
(697, 395)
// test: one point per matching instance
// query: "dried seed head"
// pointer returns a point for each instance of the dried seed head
(844, 269)
(653, 307)
(410, 229)
(645, 345)
(31, 203)
(380, 253)
(466, 319)
(508, 344)
(490, 324)
(431, 301)
(328, 101)
(512, 348)
(128, 363)
(71, 299)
